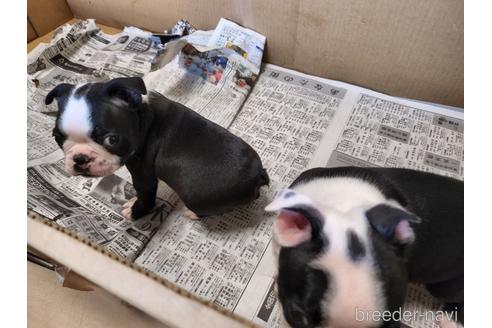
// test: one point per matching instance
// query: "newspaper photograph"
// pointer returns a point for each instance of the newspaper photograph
(246, 43)
(217, 102)
(208, 75)
(294, 121)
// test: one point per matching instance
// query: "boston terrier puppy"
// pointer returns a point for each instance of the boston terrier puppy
(103, 126)
(349, 239)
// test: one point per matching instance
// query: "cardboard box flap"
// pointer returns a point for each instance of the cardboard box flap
(138, 287)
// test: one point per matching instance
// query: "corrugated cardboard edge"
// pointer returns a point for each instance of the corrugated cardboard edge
(138, 286)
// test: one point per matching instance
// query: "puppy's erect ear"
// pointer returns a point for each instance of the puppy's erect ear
(392, 223)
(60, 90)
(298, 220)
(128, 89)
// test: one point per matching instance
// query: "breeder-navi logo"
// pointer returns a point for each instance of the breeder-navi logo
(404, 315)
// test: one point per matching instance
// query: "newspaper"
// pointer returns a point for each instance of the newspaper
(81, 53)
(219, 258)
(382, 132)
(297, 122)
(246, 43)
(224, 64)
(92, 207)
(329, 123)
(294, 122)
(39, 136)
(217, 102)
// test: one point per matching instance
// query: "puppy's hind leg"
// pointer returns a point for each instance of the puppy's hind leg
(190, 214)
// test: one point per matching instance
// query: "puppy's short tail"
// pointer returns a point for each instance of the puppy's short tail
(264, 178)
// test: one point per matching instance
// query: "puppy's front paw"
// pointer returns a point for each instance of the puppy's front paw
(133, 209)
(127, 208)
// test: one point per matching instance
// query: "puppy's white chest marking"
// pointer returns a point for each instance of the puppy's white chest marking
(76, 118)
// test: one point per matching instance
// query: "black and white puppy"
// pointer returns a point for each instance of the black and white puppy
(349, 239)
(102, 126)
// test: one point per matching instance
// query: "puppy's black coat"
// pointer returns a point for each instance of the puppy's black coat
(212, 170)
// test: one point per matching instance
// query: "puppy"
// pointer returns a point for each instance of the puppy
(103, 126)
(349, 239)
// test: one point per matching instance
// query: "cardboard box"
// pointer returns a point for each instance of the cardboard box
(408, 49)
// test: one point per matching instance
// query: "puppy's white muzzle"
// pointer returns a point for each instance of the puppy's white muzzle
(89, 158)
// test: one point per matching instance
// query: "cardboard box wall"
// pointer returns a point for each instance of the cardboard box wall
(412, 49)
(408, 49)
(44, 16)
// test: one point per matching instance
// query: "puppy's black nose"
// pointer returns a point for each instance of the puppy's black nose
(81, 159)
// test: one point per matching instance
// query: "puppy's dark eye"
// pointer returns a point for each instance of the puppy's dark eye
(111, 141)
